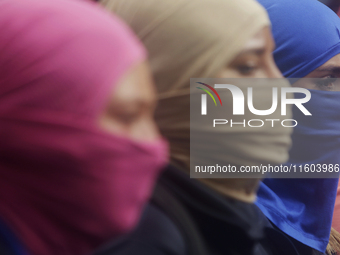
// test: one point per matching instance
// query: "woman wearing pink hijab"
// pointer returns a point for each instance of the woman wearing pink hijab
(79, 150)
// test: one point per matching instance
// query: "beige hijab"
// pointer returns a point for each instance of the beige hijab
(190, 39)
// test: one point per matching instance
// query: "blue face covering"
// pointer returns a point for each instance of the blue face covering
(303, 208)
(306, 34)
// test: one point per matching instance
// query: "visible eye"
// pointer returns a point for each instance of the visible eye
(247, 69)
(326, 83)
(125, 114)
(128, 118)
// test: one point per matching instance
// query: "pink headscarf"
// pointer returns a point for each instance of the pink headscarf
(66, 186)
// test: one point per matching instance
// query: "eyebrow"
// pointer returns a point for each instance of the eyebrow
(256, 51)
(330, 69)
(141, 103)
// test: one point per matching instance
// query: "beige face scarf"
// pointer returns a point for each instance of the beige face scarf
(193, 39)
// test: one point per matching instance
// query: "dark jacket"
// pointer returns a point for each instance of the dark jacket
(9, 243)
(187, 218)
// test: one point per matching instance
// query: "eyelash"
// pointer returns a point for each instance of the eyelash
(246, 69)
(130, 118)
(325, 82)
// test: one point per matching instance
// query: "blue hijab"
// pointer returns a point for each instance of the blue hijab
(306, 34)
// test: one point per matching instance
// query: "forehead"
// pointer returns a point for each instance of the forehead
(135, 87)
(258, 40)
(334, 61)
(261, 39)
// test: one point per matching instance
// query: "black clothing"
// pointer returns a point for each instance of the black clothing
(187, 218)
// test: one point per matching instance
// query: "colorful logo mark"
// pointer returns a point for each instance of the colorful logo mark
(212, 89)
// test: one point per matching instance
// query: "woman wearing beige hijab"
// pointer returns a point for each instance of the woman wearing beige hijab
(204, 38)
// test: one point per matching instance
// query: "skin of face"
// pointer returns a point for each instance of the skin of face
(131, 104)
(327, 75)
(255, 60)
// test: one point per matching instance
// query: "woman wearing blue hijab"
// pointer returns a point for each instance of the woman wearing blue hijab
(307, 38)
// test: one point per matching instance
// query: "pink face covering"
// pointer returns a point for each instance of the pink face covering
(66, 186)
